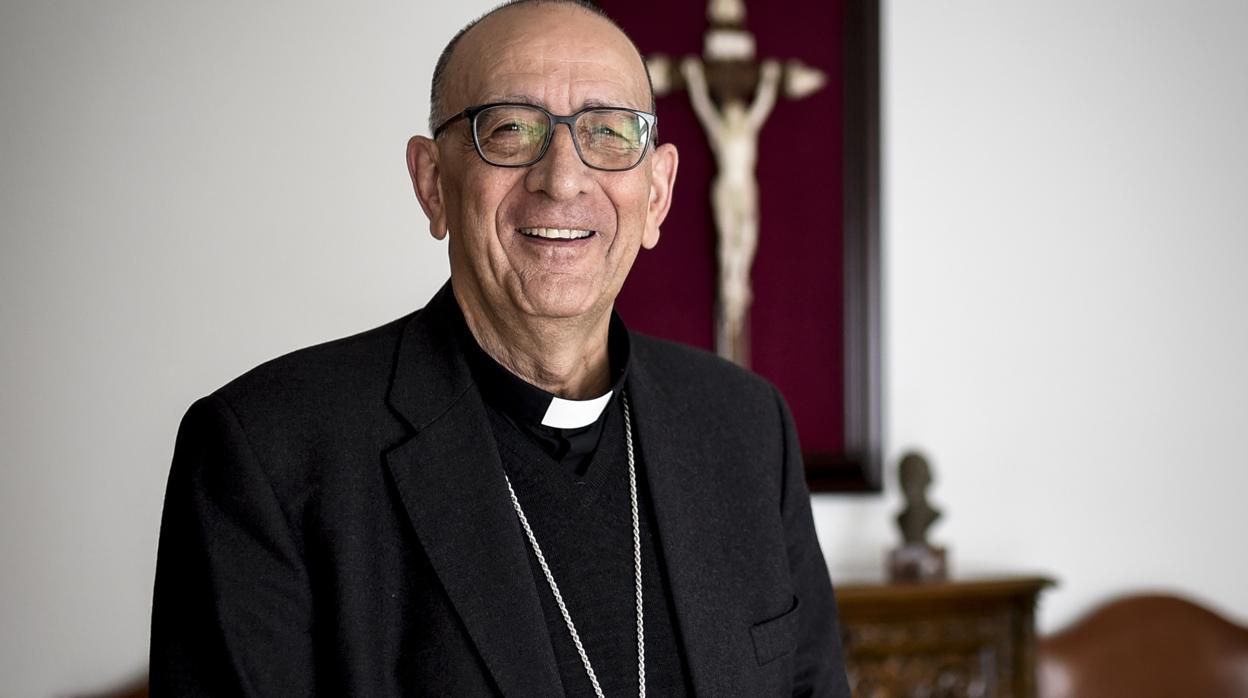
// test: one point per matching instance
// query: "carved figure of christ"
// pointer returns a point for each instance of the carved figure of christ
(732, 130)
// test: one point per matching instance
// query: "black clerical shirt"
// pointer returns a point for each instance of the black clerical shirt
(525, 405)
(573, 485)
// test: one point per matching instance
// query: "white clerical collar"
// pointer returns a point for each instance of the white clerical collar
(574, 414)
(533, 408)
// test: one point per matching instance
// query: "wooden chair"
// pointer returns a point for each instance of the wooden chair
(1146, 647)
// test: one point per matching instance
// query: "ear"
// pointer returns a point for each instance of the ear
(422, 164)
(662, 182)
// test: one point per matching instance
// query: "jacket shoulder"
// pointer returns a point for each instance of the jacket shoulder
(700, 371)
(341, 372)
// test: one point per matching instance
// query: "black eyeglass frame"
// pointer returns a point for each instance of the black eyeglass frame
(471, 113)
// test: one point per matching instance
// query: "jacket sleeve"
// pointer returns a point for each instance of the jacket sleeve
(231, 610)
(819, 665)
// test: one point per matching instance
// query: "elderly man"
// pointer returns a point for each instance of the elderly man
(506, 491)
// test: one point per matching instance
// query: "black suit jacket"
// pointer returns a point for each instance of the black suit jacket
(337, 523)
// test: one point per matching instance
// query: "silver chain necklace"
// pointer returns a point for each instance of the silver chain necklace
(554, 588)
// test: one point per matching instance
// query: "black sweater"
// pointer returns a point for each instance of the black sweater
(584, 527)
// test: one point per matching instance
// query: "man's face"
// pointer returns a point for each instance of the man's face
(563, 59)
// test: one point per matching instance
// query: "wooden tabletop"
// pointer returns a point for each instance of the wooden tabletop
(981, 587)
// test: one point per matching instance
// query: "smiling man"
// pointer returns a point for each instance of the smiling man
(505, 492)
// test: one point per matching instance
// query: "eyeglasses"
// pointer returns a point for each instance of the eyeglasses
(517, 135)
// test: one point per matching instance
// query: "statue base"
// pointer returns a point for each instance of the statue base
(917, 562)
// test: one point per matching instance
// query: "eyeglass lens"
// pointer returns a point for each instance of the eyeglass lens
(609, 139)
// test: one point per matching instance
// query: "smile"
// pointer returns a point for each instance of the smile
(556, 233)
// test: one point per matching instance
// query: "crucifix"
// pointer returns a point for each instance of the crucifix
(732, 95)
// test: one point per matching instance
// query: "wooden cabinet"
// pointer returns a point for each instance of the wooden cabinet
(965, 638)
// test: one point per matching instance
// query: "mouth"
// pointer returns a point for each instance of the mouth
(556, 233)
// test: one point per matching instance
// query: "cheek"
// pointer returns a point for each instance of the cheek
(632, 202)
(476, 201)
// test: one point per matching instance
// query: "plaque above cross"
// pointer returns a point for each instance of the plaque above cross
(732, 94)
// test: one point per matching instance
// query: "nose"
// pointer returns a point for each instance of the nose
(560, 174)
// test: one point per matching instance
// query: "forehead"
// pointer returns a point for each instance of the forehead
(561, 57)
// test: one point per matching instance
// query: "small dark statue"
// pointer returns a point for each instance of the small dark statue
(916, 560)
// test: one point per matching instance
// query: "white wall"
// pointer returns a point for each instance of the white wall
(189, 190)
(1067, 294)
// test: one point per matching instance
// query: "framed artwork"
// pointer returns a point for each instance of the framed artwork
(813, 323)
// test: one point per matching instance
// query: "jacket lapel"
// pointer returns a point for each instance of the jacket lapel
(691, 531)
(451, 482)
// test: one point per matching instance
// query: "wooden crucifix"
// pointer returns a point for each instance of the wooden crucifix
(732, 95)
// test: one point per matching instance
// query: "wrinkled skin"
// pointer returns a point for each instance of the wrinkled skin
(541, 307)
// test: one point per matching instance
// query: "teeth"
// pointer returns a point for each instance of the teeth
(557, 233)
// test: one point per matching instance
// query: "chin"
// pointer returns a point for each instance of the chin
(557, 298)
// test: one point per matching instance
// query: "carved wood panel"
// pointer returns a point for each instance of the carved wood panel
(958, 639)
